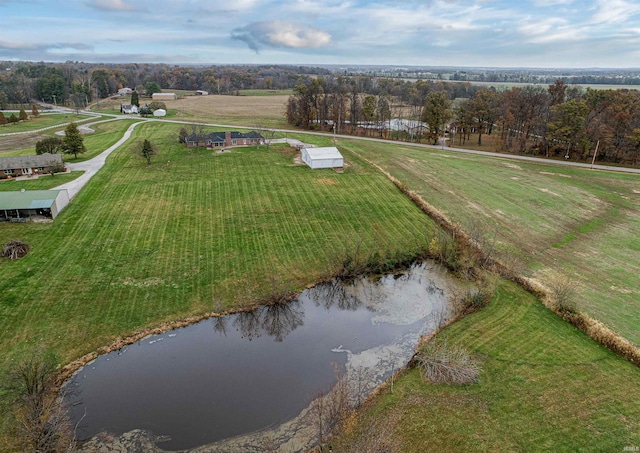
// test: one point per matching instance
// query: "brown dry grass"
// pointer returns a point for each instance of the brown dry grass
(242, 107)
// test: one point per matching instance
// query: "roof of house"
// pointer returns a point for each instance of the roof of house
(330, 152)
(29, 199)
(219, 137)
(39, 160)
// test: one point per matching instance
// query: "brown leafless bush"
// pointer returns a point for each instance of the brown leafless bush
(15, 249)
(562, 291)
(330, 410)
(42, 423)
(441, 363)
(444, 248)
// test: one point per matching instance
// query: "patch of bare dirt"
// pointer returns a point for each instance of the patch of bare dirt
(326, 182)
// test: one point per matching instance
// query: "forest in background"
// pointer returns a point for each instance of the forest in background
(558, 119)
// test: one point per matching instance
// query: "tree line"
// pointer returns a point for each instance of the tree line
(77, 83)
(555, 120)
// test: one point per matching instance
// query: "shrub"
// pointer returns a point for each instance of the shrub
(562, 291)
(441, 363)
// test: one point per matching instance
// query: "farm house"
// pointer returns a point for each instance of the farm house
(328, 157)
(23, 205)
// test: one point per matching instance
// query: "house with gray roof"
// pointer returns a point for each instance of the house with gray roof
(224, 139)
(29, 204)
(30, 165)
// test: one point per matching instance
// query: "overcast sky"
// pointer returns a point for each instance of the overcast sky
(506, 33)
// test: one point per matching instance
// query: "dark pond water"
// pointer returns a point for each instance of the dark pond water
(242, 373)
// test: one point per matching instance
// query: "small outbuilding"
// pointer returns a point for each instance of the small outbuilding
(164, 96)
(22, 206)
(328, 157)
(202, 93)
(159, 112)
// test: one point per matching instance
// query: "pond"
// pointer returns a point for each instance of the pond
(236, 379)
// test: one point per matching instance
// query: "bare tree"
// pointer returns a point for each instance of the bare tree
(43, 425)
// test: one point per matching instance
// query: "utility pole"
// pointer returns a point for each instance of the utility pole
(595, 153)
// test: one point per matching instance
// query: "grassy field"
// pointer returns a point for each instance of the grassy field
(544, 220)
(44, 120)
(40, 183)
(105, 135)
(251, 111)
(198, 231)
(544, 386)
(194, 232)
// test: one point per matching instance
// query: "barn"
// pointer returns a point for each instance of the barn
(164, 96)
(22, 206)
(328, 157)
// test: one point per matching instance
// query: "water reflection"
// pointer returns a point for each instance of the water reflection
(241, 373)
(276, 320)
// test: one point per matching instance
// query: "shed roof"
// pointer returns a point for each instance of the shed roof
(330, 152)
(29, 199)
(39, 160)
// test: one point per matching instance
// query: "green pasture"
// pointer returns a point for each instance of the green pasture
(543, 219)
(192, 233)
(42, 121)
(544, 386)
(41, 183)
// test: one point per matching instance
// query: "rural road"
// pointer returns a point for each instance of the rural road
(91, 167)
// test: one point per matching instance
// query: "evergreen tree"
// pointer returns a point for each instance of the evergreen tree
(23, 115)
(3, 119)
(73, 142)
(147, 151)
(34, 111)
(13, 118)
(134, 99)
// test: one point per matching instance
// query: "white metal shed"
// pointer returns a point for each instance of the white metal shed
(328, 157)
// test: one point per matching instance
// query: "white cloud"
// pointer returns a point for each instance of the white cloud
(281, 34)
(615, 11)
(111, 5)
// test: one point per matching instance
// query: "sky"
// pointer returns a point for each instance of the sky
(470, 33)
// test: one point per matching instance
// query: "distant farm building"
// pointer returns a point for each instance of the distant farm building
(30, 165)
(160, 112)
(124, 91)
(31, 204)
(328, 157)
(128, 109)
(222, 139)
(164, 96)
(202, 93)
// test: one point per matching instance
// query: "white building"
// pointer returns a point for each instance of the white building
(164, 96)
(160, 112)
(328, 157)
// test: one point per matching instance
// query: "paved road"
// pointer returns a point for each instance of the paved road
(91, 166)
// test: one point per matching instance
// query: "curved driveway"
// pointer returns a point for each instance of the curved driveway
(91, 166)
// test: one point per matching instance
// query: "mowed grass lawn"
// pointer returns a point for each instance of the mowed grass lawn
(192, 233)
(41, 183)
(42, 121)
(546, 220)
(544, 386)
